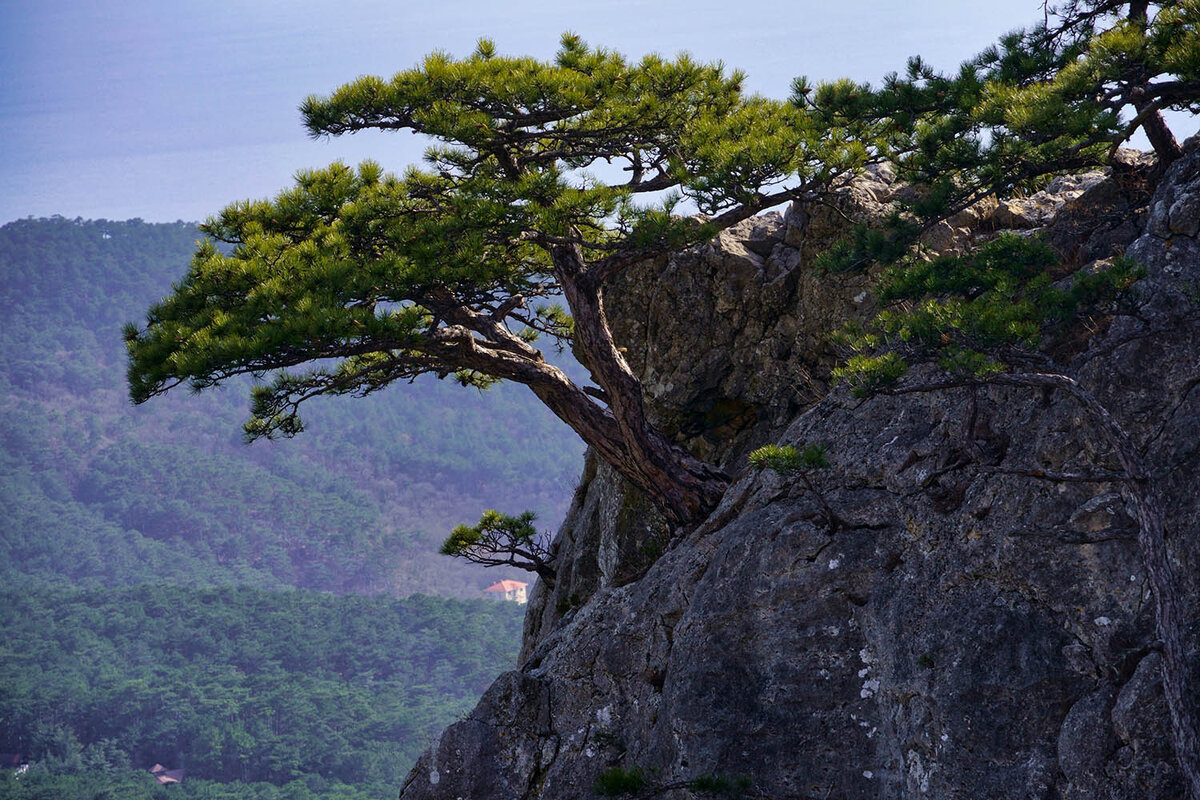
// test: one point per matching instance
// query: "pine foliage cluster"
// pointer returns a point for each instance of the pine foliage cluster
(975, 314)
(1043, 101)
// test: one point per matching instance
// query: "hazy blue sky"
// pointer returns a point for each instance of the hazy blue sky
(169, 109)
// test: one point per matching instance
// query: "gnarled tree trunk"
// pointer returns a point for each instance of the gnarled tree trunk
(683, 486)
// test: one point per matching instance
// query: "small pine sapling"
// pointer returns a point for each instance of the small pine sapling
(503, 540)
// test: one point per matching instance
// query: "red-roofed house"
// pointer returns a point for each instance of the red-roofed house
(513, 591)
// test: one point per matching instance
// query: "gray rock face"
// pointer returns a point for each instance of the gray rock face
(921, 620)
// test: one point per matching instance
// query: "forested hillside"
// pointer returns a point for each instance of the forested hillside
(252, 689)
(98, 492)
(169, 594)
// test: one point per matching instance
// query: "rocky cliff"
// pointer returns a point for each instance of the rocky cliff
(926, 618)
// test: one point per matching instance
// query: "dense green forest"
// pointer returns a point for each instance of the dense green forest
(171, 595)
(168, 491)
(236, 685)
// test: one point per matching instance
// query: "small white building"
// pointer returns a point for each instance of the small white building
(512, 591)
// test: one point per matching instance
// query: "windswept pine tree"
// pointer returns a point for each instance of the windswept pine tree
(364, 279)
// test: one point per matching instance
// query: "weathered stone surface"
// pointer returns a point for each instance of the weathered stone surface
(1086, 743)
(1040, 208)
(1142, 763)
(731, 339)
(920, 620)
(514, 736)
(1103, 213)
(609, 538)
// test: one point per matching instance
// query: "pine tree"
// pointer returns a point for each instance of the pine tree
(1053, 99)
(363, 279)
(500, 540)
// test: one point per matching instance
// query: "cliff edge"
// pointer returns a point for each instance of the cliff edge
(927, 618)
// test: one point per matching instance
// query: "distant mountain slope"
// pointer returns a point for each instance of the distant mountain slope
(99, 492)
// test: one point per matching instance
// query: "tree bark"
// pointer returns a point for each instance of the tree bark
(1165, 145)
(683, 486)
